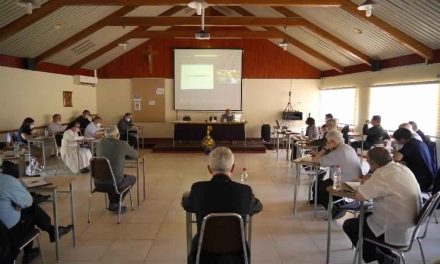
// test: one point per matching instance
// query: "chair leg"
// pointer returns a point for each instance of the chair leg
(105, 201)
(435, 216)
(41, 250)
(56, 169)
(131, 200)
(421, 250)
(90, 208)
(119, 208)
(402, 258)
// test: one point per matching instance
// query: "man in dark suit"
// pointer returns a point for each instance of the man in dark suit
(220, 194)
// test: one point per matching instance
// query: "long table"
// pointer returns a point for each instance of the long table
(196, 131)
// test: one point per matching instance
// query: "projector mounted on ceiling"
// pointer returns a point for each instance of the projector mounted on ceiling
(29, 5)
(283, 45)
(202, 35)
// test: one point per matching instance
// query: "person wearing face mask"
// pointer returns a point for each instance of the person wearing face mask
(25, 132)
(116, 151)
(84, 120)
(69, 150)
(124, 126)
(55, 126)
(93, 130)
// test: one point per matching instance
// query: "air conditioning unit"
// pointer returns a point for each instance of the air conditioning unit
(85, 80)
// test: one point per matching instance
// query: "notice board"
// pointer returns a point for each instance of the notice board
(148, 100)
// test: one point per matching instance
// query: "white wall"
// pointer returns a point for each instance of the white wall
(364, 80)
(264, 100)
(39, 95)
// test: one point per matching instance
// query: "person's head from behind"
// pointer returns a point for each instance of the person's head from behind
(228, 112)
(413, 125)
(128, 117)
(328, 116)
(310, 121)
(86, 113)
(407, 126)
(97, 121)
(74, 126)
(111, 132)
(221, 161)
(56, 118)
(333, 139)
(375, 120)
(28, 122)
(378, 157)
(331, 124)
(402, 135)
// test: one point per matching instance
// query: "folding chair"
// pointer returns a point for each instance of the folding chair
(102, 171)
(419, 232)
(222, 233)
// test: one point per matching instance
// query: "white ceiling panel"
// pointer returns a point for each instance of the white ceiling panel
(417, 18)
(41, 36)
(148, 11)
(373, 41)
(86, 46)
(10, 11)
(113, 54)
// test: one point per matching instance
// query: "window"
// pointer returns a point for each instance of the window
(341, 103)
(398, 104)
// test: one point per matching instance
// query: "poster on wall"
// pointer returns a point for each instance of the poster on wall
(67, 99)
(137, 103)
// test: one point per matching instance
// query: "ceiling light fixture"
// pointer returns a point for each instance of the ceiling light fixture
(368, 7)
(283, 44)
(29, 5)
(198, 5)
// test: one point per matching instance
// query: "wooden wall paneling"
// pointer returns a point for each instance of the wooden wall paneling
(150, 93)
(261, 59)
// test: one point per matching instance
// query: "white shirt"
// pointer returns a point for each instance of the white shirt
(396, 202)
(91, 130)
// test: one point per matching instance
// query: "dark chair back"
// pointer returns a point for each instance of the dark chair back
(432, 147)
(344, 132)
(101, 171)
(186, 118)
(222, 233)
(58, 139)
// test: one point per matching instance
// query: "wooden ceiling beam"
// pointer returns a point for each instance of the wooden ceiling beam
(214, 34)
(115, 43)
(210, 20)
(26, 20)
(84, 33)
(416, 46)
(323, 33)
(211, 2)
(293, 41)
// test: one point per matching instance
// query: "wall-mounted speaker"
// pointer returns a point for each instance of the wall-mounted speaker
(30, 64)
(376, 65)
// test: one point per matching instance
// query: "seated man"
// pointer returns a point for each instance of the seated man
(397, 200)
(26, 132)
(336, 153)
(375, 134)
(416, 157)
(227, 116)
(20, 215)
(116, 151)
(93, 130)
(55, 126)
(418, 131)
(84, 120)
(124, 126)
(220, 194)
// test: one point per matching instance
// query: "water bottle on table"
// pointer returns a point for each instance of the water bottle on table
(244, 175)
(337, 179)
(46, 132)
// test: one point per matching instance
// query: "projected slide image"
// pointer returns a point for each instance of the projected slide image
(197, 76)
(228, 76)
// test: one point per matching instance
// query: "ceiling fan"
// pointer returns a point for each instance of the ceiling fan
(283, 44)
(198, 5)
(29, 5)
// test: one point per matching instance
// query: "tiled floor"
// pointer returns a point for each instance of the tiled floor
(155, 232)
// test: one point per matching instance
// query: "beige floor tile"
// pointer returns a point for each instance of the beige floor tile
(140, 231)
(122, 250)
(168, 250)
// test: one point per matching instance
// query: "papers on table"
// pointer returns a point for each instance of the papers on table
(31, 182)
(350, 186)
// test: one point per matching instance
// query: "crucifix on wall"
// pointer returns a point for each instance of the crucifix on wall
(149, 53)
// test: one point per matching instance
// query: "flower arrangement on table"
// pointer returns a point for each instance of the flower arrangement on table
(208, 143)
